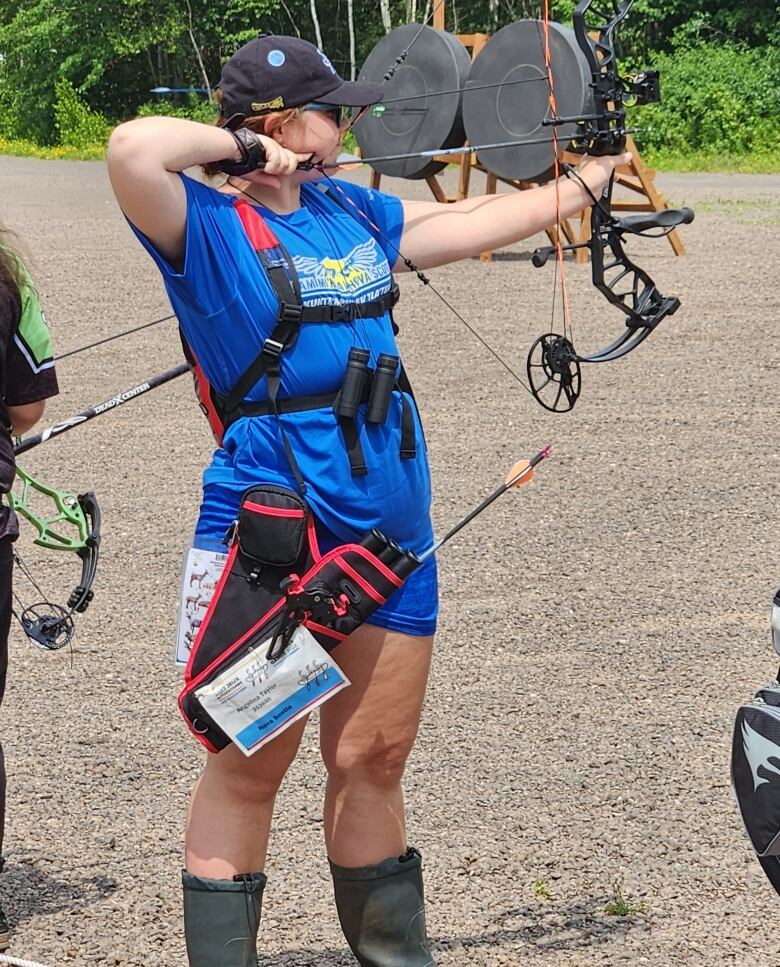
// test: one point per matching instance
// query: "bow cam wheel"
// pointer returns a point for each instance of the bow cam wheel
(48, 625)
(554, 372)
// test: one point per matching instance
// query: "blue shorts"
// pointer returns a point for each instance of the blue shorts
(411, 610)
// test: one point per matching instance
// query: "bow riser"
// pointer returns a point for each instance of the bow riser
(69, 513)
(640, 300)
(606, 134)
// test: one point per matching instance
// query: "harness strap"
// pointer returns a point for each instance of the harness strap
(300, 404)
(274, 382)
(349, 311)
(288, 323)
(281, 272)
(408, 442)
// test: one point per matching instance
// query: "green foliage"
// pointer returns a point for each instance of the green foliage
(44, 40)
(758, 163)
(68, 68)
(78, 125)
(26, 149)
(623, 906)
(113, 53)
(716, 97)
(193, 108)
(10, 111)
(652, 24)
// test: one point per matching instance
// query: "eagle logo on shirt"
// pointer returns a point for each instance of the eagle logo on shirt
(360, 269)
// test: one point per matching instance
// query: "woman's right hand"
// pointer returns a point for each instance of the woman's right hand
(256, 152)
(279, 160)
(596, 170)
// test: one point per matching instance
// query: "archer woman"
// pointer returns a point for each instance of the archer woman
(283, 105)
(27, 380)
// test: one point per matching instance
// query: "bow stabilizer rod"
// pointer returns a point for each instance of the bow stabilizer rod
(431, 153)
(22, 446)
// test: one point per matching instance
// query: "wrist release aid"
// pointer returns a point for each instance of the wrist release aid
(252, 153)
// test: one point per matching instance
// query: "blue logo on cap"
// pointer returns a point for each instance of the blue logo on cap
(276, 58)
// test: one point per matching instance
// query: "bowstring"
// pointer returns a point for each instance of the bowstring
(560, 268)
(118, 335)
(402, 56)
(399, 60)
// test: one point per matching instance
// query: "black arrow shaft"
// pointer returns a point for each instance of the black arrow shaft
(533, 462)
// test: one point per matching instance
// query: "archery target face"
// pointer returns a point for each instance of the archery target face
(415, 115)
(507, 97)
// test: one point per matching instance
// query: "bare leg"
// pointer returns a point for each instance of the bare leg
(366, 734)
(232, 804)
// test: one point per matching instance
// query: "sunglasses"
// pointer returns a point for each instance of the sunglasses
(340, 113)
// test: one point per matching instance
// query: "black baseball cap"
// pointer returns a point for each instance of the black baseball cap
(274, 72)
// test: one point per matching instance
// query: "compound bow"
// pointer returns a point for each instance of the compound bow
(552, 359)
(73, 526)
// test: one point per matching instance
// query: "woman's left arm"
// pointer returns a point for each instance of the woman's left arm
(435, 234)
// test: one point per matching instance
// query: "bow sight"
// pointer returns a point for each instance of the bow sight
(644, 88)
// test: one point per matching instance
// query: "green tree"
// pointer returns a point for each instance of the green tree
(112, 52)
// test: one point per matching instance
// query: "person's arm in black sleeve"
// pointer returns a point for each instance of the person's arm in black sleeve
(31, 378)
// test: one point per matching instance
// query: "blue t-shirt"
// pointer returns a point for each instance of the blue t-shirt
(227, 307)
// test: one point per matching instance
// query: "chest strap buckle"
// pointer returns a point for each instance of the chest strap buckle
(272, 350)
(290, 313)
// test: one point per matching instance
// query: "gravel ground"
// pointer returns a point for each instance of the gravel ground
(599, 628)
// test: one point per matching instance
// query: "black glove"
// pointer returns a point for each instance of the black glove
(252, 154)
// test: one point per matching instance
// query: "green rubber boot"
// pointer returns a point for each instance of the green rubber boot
(221, 919)
(382, 913)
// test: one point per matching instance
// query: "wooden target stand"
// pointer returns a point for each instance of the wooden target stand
(635, 177)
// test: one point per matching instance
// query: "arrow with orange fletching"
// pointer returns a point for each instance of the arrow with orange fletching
(521, 473)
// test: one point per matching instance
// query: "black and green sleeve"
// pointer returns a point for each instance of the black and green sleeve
(30, 366)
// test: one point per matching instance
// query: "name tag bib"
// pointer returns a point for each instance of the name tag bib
(256, 699)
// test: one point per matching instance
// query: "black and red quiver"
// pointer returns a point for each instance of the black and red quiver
(275, 579)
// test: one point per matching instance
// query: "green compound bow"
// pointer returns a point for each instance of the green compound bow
(72, 525)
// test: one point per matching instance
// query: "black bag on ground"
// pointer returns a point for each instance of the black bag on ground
(755, 771)
(275, 579)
